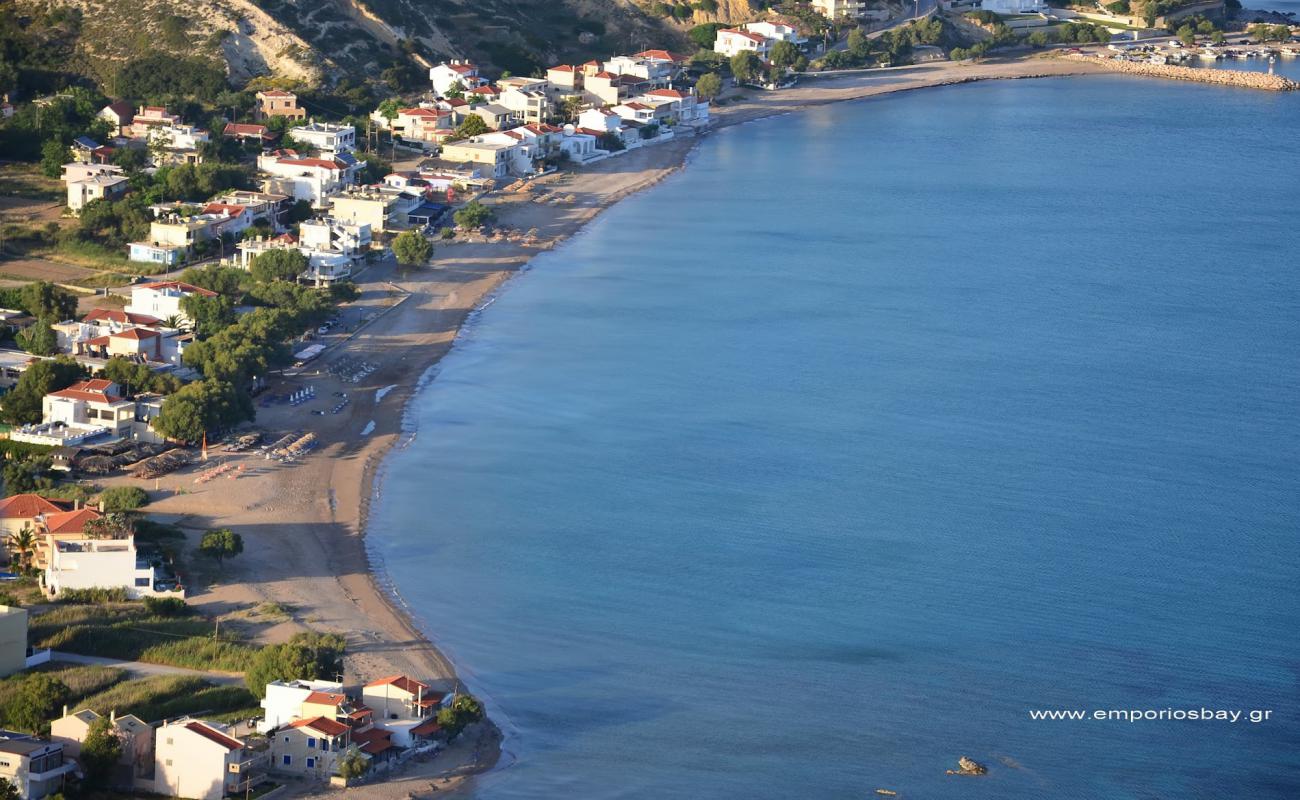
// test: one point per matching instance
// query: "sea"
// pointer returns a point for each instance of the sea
(874, 436)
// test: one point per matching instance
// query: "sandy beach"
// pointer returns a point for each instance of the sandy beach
(303, 524)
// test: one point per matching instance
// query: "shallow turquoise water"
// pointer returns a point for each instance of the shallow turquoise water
(829, 459)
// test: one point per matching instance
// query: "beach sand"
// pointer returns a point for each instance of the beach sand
(303, 523)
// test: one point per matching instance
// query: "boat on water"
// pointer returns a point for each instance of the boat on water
(887, 792)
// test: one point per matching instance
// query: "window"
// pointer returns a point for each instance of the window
(287, 760)
(169, 762)
(311, 762)
(141, 581)
(311, 743)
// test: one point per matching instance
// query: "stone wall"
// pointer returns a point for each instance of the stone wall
(1223, 77)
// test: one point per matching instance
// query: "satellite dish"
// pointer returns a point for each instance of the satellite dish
(569, 129)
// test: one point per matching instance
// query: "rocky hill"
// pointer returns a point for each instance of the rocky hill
(321, 41)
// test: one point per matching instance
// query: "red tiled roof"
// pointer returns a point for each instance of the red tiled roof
(311, 162)
(603, 74)
(215, 735)
(323, 725)
(561, 68)
(402, 682)
(463, 69)
(244, 129)
(220, 208)
(419, 112)
(673, 93)
(27, 506)
(70, 521)
(426, 728)
(373, 741)
(753, 37)
(137, 334)
(657, 55)
(277, 93)
(124, 317)
(179, 286)
(326, 698)
(121, 109)
(94, 390)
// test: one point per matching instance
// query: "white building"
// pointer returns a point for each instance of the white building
(310, 179)
(326, 137)
(102, 564)
(581, 148)
(834, 9)
(177, 137)
(448, 74)
(403, 706)
(1014, 6)
(162, 299)
(528, 99)
(284, 700)
(501, 157)
(775, 32)
(199, 760)
(86, 182)
(732, 41)
(36, 769)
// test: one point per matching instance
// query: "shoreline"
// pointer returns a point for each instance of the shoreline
(312, 518)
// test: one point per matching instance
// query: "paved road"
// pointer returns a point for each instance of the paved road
(142, 670)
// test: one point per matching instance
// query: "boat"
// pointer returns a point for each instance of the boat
(887, 792)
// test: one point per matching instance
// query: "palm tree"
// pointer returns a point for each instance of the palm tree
(23, 544)
(175, 321)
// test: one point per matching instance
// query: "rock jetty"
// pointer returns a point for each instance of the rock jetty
(1222, 77)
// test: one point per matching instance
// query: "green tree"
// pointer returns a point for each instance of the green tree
(464, 710)
(117, 499)
(38, 338)
(473, 125)
(704, 36)
(29, 473)
(209, 315)
(8, 791)
(745, 67)
(472, 215)
(115, 525)
(353, 765)
(44, 299)
(280, 264)
(202, 406)
(33, 702)
(216, 278)
(1187, 35)
(411, 248)
(784, 54)
(54, 154)
(306, 656)
(22, 544)
(22, 404)
(456, 91)
(858, 46)
(389, 108)
(99, 753)
(709, 85)
(220, 544)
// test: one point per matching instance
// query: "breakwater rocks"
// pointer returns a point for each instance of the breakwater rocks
(1223, 77)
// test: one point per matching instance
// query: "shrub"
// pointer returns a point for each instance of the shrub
(94, 596)
(166, 607)
(123, 498)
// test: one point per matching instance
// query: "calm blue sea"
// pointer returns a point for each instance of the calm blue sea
(829, 459)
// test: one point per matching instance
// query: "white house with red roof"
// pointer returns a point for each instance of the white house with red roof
(657, 70)
(149, 117)
(90, 409)
(683, 108)
(449, 73)
(84, 562)
(776, 32)
(404, 707)
(733, 41)
(23, 511)
(283, 701)
(307, 178)
(162, 299)
(201, 760)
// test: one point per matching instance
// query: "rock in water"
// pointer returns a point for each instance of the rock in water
(967, 766)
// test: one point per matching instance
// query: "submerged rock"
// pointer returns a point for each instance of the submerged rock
(968, 766)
